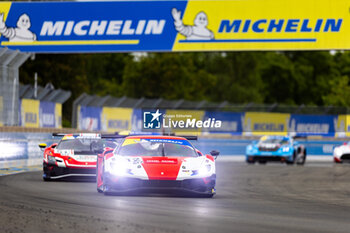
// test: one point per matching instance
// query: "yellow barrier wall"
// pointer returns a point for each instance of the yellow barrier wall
(116, 119)
(58, 115)
(258, 123)
(343, 126)
(30, 113)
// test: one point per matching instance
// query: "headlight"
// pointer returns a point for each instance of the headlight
(204, 169)
(285, 149)
(337, 152)
(117, 167)
(51, 159)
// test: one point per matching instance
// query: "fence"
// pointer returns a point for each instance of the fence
(111, 114)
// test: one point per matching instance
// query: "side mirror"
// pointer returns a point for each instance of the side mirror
(42, 146)
(199, 153)
(97, 147)
(214, 153)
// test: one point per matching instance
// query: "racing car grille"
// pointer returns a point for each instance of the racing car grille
(268, 158)
(268, 149)
(161, 184)
(345, 157)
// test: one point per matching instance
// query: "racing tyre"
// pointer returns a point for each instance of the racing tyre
(250, 162)
(301, 157)
(293, 161)
(46, 177)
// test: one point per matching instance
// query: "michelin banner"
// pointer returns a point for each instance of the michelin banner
(29, 110)
(312, 125)
(125, 26)
(116, 119)
(35, 113)
(231, 122)
(342, 125)
(260, 123)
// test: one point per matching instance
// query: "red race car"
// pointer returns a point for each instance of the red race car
(72, 156)
(156, 163)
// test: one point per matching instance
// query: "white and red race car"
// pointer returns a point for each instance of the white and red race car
(342, 153)
(156, 164)
(72, 156)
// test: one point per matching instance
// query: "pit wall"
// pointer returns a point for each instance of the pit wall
(22, 148)
(109, 119)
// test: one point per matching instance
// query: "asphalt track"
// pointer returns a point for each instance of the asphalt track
(250, 198)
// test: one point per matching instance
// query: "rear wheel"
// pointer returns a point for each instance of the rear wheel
(46, 176)
(288, 162)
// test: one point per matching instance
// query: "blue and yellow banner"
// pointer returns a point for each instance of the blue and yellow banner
(342, 126)
(260, 123)
(193, 25)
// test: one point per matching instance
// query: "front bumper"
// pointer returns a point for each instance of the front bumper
(267, 158)
(195, 185)
(51, 171)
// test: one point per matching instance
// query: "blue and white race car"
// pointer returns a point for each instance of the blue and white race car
(276, 148)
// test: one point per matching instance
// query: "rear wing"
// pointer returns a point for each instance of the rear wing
(117, 135)
(78, 135)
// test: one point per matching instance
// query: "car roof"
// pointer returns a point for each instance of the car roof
(280, 137)
(81, 136)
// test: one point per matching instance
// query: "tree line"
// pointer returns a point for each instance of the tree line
(309, 77)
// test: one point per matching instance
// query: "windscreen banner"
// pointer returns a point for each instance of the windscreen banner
(89, 118)
(193, 25)
(231, 123)
(313, 125)
(260, 123)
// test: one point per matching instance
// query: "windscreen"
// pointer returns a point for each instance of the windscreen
(156, 148)
(78, 144)
(274, 141)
